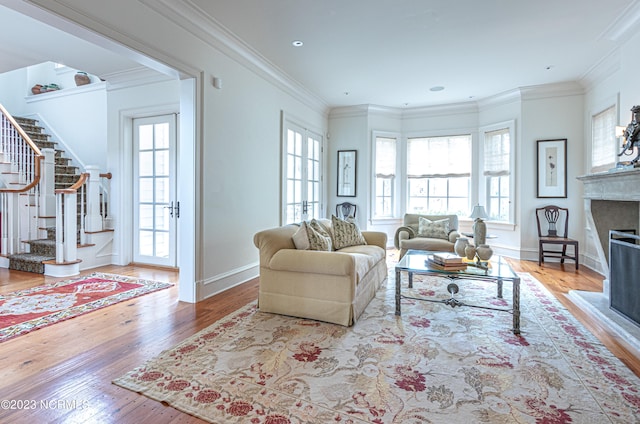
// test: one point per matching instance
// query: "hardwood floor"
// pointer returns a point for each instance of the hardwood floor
(68, 367)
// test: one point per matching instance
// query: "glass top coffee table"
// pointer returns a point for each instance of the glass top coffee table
(498, 271)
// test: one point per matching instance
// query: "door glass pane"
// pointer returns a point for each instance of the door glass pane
(146, 190)
(162, 218)
(146, 216)
(145, 133)
(145, 167)
(162, 162)
(145, 242)
(162, 244)
(162, 136)
(162, 190)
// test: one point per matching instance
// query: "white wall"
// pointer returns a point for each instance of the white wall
(550, 117)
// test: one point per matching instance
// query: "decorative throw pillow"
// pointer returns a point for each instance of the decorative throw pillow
(433, 229)
(301, 237)
(345, 233)
(319, 239)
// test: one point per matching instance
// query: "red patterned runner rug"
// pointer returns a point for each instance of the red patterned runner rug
(434, 364)
(26, 310)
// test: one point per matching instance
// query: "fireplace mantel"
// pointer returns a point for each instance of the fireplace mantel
(616, 185)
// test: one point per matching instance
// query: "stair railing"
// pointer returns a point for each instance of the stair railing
(23, 159)
(67, 213)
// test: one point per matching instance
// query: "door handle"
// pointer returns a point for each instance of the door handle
(173, 209)
(170, 207)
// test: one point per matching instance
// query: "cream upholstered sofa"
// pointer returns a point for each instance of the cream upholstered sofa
(331, 286)
(409, 235)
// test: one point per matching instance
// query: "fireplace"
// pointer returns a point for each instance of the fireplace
(624, 257)
(612, 203)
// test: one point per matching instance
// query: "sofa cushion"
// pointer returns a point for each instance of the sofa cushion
(345, 233)
(319, 239)
(426, 243)
(301, 237)
(366, 257)
(433, 229)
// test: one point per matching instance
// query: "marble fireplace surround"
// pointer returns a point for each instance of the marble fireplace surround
(611, 202)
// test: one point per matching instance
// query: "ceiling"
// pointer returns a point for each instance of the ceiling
(383, 52)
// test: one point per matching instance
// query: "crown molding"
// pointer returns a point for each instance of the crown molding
(500, 99)
(133, 77)
(440, 110)
(622, 28)
(544, 91)
(602, 70)
(199, 23)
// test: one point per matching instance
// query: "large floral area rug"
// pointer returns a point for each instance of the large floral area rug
(26, 310)
(434, 364)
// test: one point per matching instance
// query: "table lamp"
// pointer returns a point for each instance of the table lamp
(479, 227)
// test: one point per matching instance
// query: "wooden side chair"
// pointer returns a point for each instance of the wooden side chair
(346, 210)
(553, 226)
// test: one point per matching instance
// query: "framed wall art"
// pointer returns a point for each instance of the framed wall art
(552, 168)
(347, 163)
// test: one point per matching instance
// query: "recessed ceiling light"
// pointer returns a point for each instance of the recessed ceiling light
(437, 88)
(297, 43)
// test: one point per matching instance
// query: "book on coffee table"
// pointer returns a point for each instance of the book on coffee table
(451, 266)
(445, 258)
(435, 265)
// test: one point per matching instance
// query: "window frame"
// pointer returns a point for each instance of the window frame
(484, 193)
(395, 188)
(406, 179)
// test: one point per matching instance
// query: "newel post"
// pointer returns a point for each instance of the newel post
(93, 219)
(47, 184)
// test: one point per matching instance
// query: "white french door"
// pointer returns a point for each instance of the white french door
(302, 174)
(154, 188)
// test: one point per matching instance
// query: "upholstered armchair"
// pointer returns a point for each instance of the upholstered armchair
(427, 232)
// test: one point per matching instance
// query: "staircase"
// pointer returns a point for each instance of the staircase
(43, 249)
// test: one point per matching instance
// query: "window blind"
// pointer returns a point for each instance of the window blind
(603, 140)
(385, 157)
(439, 157)
(497, 153)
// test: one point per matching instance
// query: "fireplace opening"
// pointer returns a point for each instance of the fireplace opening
(624, 289)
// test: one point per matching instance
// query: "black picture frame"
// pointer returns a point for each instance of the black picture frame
(551, 168)
(347, 173)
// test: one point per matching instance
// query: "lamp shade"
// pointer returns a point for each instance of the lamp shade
(479, 212)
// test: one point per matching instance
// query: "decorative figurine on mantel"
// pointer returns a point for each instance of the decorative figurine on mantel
(632, 137)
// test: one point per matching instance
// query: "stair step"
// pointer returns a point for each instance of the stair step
(28, 262)
(45, 247)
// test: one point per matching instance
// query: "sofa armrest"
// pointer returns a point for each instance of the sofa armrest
(376, 238)
(313, 261)
(270, 241)
(403, 233)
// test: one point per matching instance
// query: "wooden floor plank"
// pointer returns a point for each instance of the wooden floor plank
(77, 359)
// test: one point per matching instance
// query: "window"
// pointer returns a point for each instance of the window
(603, 140)
(439, 174)
(497, 173)
(385, 176)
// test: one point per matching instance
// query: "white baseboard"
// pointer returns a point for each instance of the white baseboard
(222, 282)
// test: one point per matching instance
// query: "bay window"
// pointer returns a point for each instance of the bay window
(439, 174)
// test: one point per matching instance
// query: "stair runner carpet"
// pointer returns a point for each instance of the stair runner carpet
(65, 175)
